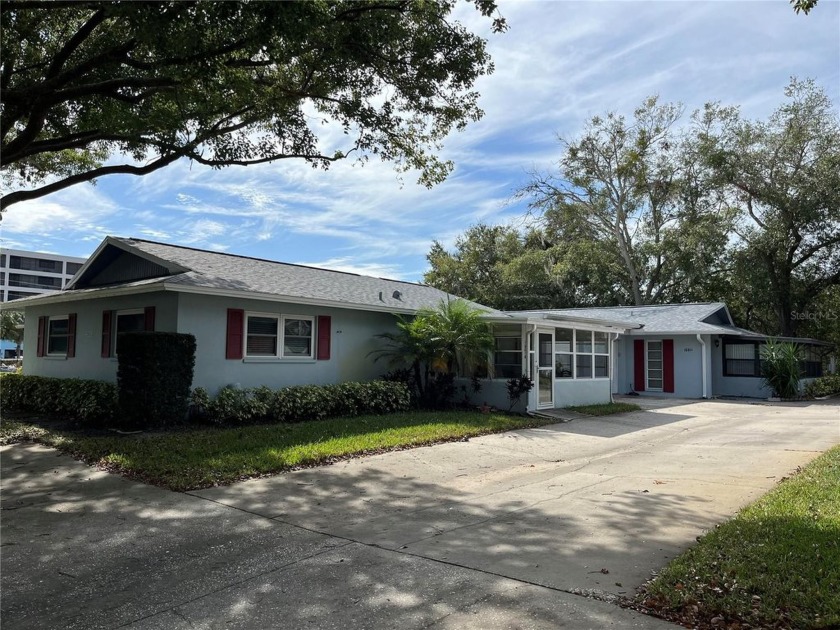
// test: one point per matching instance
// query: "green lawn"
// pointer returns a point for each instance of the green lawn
(776, 564)
(606, 409)
(200, 458)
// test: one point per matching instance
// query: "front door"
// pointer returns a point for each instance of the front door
(654, 366)
(545, 370)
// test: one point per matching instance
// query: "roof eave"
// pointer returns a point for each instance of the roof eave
(542, 318)
(71, 295)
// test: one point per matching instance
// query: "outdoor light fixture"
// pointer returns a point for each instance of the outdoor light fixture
(717, 342)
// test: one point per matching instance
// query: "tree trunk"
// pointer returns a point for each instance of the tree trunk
(624, 250)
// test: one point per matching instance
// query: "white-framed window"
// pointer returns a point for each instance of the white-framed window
(564, 355)
(581, 354)
(269, 335)
(507, 357)
(261, 332)
(58, 335)
(131, 320)
(654, 365)
(601, 354)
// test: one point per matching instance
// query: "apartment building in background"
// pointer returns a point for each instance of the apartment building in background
(24, 274)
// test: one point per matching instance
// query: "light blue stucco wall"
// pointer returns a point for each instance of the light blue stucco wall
(352, 340)
(205, 317)
(88, 362)
(567, 393)
(747, 386)
(571, 392)
(493, 393)
(688, 366)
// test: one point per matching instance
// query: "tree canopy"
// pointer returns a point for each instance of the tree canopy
(783, 177)
(654, 209)
(803, 6)
(229, 83)
(635, 187)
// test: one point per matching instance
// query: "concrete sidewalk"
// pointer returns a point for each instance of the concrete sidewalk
(497, 532)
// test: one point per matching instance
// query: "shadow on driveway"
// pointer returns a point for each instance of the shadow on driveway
(85, 549)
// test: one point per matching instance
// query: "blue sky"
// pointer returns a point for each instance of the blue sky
(559, 64)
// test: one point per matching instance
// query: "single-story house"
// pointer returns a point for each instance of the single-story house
(256, 322)
(679, 350)
(261, 322)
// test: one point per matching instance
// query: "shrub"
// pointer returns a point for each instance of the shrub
(199, 404)
(302, 402)
(154, 376)
(518, 387)
(780, 367)
(408, 377)
(90, 403)
(823, 386)
(234, 405)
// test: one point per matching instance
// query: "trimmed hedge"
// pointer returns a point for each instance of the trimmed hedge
(154, 377)
(823, 386)
(88, 402)
(303, 402)
(92, 403)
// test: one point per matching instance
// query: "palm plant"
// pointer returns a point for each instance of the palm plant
(780, 367)
(460, 340)
(406, 347)
(448, 340)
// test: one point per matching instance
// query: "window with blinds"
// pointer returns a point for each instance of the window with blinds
(741, 359)
(280, 336)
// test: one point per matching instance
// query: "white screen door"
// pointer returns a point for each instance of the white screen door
(545, 370)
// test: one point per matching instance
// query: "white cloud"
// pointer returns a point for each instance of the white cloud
(68, 222)
(348, 265)
(158, 234)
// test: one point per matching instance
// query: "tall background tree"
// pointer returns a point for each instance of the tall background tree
(228, 83)
(783, 177)
(657, 209)
(633, 184)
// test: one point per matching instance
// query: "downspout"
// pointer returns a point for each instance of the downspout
(703, 364)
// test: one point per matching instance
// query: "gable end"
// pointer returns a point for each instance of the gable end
(719, 318)
(115, 266)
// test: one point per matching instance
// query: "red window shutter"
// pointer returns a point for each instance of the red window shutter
(71, 335)
(324, 336)
(668, 365)
(639, 365)
(149, 314)
(107, 316)
(43, 322)
(235, 333)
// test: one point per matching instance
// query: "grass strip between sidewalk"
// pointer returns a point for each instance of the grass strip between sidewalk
(201, 458)
(776, 564)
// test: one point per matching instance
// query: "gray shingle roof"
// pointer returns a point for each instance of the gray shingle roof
(665, 318)
(217, 271)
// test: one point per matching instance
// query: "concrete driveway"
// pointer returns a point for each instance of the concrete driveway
(504, 531)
